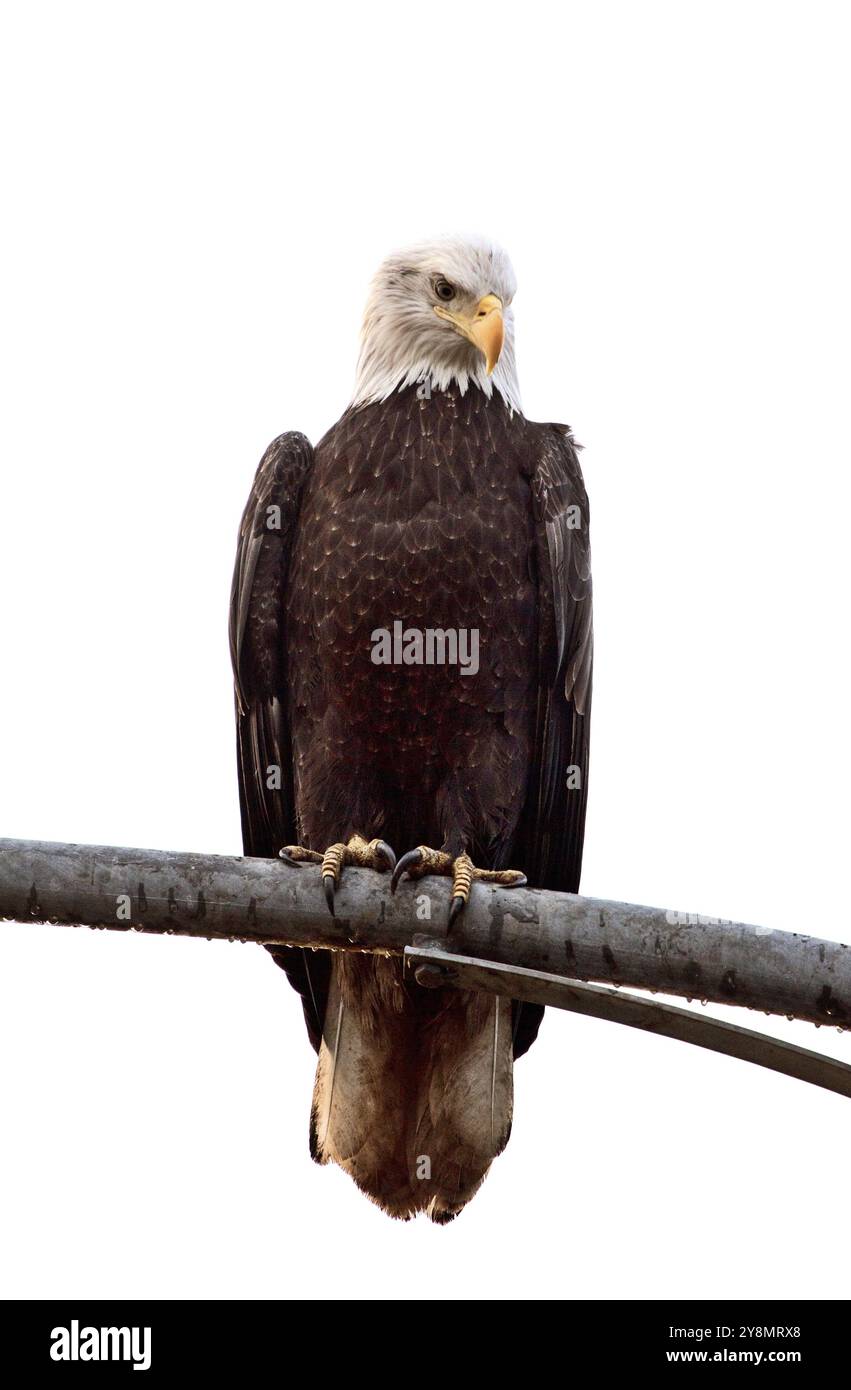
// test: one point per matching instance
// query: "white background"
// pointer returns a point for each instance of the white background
(195, 197)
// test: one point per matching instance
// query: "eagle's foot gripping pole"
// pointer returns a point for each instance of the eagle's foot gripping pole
(366, 854)
(423, 860)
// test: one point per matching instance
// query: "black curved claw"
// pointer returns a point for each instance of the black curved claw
(330, 889)
(413, 857)
(385, 854)
(293, 863)
(456, 907)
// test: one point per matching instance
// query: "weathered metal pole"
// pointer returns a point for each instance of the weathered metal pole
(584, 939)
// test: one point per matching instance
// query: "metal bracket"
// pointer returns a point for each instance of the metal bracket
(436, 968)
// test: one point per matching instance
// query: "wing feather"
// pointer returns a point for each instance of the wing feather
(259, 657)
(552, 827)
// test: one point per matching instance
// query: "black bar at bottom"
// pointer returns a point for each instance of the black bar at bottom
(169, 1341)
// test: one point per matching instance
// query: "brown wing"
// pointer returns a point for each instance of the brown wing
(553, 823)
(258, 643)
(552, 827)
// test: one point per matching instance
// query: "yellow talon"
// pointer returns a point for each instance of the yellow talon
(462, 877)
(332, 862)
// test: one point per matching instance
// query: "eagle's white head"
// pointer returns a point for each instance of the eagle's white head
(440, 312)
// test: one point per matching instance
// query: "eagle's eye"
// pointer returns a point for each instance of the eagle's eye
(443, 289)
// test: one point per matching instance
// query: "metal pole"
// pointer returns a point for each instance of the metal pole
(557, 933)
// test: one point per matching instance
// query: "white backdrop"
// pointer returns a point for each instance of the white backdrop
(196, 196)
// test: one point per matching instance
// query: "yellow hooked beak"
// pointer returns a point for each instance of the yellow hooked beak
(484, 328)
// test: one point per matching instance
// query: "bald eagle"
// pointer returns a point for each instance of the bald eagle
(432, 506)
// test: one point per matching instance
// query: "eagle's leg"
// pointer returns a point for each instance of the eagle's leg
(460, 868)
(366, 854)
